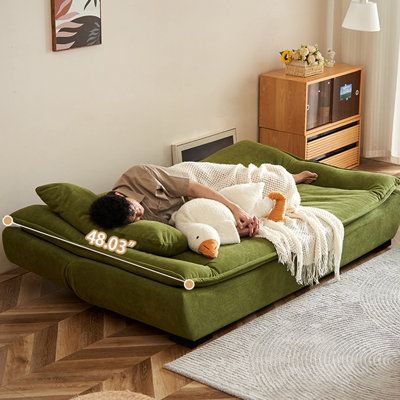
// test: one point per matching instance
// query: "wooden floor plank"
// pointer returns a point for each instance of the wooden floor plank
(382, 167)
(198, 391)
(106, 365)
(32, 338)
(166, 382)
(14, 273)
(19, 286)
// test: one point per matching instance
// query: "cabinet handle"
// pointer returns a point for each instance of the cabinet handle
(357, 92)
(308, 107)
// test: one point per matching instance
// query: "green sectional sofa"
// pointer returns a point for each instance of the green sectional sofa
(244, 278)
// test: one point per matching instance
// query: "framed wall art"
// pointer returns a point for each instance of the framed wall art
(75, 23)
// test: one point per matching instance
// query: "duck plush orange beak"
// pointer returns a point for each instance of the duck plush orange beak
(209, 248)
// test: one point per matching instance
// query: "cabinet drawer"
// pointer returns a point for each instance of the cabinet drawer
(346, 159)
(333, 141)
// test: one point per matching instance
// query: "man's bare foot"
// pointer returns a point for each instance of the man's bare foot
(305, 177)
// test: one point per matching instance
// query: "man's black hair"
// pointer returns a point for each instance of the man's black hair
(110, 211)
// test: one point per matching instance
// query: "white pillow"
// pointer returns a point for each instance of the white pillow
(245, 195)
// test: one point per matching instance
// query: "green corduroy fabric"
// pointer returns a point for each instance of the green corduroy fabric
(41, 218)
(190, 314)
(246, 152)
(234, 259)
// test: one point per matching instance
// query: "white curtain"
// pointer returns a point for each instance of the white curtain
(379, 53)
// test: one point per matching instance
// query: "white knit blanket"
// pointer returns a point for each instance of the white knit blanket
(309, 241)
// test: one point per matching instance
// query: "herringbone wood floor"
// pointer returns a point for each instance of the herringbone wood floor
(55, 346)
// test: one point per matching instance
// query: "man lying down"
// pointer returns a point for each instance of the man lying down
(308, 242)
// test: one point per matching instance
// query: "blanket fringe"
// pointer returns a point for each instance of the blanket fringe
(308, 275)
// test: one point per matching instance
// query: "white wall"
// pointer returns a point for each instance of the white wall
(166, 71)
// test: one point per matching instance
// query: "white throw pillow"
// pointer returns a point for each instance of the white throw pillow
(245, 195)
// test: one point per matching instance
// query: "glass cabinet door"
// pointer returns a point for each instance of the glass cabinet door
(319, 98)
(346, 99)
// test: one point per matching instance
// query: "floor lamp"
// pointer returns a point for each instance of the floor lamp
(362, 15)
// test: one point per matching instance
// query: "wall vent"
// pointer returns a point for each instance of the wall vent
(200, 148)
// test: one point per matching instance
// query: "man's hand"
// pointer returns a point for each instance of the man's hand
(246, 231)
(246, 224)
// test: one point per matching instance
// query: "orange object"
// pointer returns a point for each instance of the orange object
(278, 212)
(209, 248)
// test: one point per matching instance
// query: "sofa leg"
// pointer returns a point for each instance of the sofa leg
(384, 245)
(190, 343)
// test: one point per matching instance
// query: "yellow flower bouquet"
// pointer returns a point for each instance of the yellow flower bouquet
(286, 56)
(305, 61)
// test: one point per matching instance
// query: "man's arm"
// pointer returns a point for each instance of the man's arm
(247, 225)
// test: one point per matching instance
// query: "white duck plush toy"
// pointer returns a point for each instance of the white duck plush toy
(208, 224)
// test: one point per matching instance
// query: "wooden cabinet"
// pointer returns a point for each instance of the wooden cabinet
(316, 118)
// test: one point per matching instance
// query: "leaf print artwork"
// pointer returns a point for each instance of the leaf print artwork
(61, 7)
(89, 1)
(76, 23)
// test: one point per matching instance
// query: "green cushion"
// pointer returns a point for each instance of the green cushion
(40, 217)
(347, 205)
(72, 203)
(247, 152)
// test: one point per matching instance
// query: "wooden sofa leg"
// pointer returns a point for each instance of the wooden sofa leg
(190, 343)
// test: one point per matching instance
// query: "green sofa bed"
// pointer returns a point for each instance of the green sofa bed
(244, 278)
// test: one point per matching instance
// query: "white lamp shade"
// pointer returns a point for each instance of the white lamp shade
(362, 16)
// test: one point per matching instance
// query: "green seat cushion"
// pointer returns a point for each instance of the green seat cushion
(232, 261)
(72, 204)
(347, 205)
(41, 218)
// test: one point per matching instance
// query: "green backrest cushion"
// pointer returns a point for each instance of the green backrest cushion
(72, 204)
(247, 152)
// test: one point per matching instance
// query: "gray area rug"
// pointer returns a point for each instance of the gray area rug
(341, 340)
